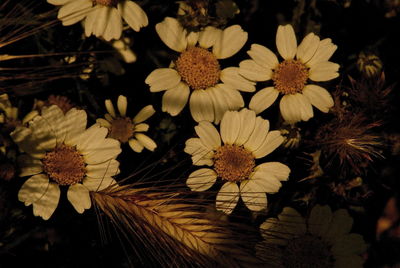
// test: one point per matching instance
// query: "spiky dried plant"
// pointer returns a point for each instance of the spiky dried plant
(167, 230)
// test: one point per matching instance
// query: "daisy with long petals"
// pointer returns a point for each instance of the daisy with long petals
(231, 154)
(322, 240)
(308, 61)
(196, 74)
(102, 18)
(61, 152)
(126, 129)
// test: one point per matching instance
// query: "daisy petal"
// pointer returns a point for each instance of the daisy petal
(263, 99)
(350, 244)
(42, 133)
(324, 71)
(95, 185)
(319, 220)
(110, 108)
(251, 70)
(247, 119)
(201, 106)
(48, 202)
(91, 139)
(307, 48)
(319, 97)
(175, 99)
(26, 142)
(147, 142)
(142, 127)
(192, 38)
(102, 15)
(295, 108)
(230, 127)
(122, 104)
(208, 135)
(113, 29)
(144, 114)
(208, 36)
(201, 179)
(133, 14)
(107, 169)
(229, 42)
(258, 135)
(136, 145)
(201, 155)
(230, 76)
(279, 170)
(162, 79)
(78, 196)
(55, 119)
(108, 149)
(33, 189)
(325, 50)
(340, 225)
(291, 222)
(286, 42)
(263, 56)
(273, 140)
(220, 102)
(172, 34)
(74, 11)
(29, 166)
(350, 261)
(253, 197)
(233, 98)
(227, 197)
(75, 124)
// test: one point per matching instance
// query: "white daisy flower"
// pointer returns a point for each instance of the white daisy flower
(197, 71)
(322, 240)
(101, 17)
(60, 151)
(308, 61)
(125, 129)
(245, 138)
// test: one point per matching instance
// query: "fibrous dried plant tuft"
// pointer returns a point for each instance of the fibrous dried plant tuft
(173, 232)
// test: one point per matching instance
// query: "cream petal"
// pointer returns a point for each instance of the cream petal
(350, 244)
(319, 220)
(142, 127)
(201, 106)
(220, 102)
(136, 145)
(324, 71)
(33, 189)
(231, 77)
(292, 222)
(273, 140)
(107, 169)
(263, 56)
(208, 135)
(108, 149)
(233, 98)
(147, 142)
(229, 42)
(251, 70)
(78, 196)
(90, 22)
(258, 135)
(273, 234)
(162, 79)
(172, 34)
(29, 166)
(265, 182)
(113, 29)
(209, 36)
(340, 225)
(75, 124)
(201, 179)
(230, 127)
(253, 197)
(286, 42)
(295, 108)
(133, 14)
(307, 48)
(95, 185)
(55, 119)
(247, 123)
(144, 114)
(192, 38)
(48, 202)
(91, 139)
(201, 155)
(325, 50)
(227, 197)
(319, 97)
(29, 116)
(42, 133)
(175, 99)
(74, 11)
(58, 2)
(26, 142)
(102, 15)
(279, 170)
(110, 108)
(351, 261)
(104, 123)
(263, 99)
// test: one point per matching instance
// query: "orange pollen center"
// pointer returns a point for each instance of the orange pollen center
(290, 76)
(109, 3)
(121, 129)
(198, 67)
(64, 165)
(233, 163)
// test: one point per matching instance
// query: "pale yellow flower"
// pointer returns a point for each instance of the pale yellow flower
(126, 129)
(102, 18)
(231, 154)
(196, 74)
(322, 240)
(60, 151)
(308, 61)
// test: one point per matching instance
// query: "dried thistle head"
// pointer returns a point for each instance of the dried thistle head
(350, 143)
(195, 15)
(292, 136)
(370, 65)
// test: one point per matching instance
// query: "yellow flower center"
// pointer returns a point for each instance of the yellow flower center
(109, 3)
(121, 129)
(198, 67)
(65, 165)
(290, 76)
(233, 163)
(307, 251)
